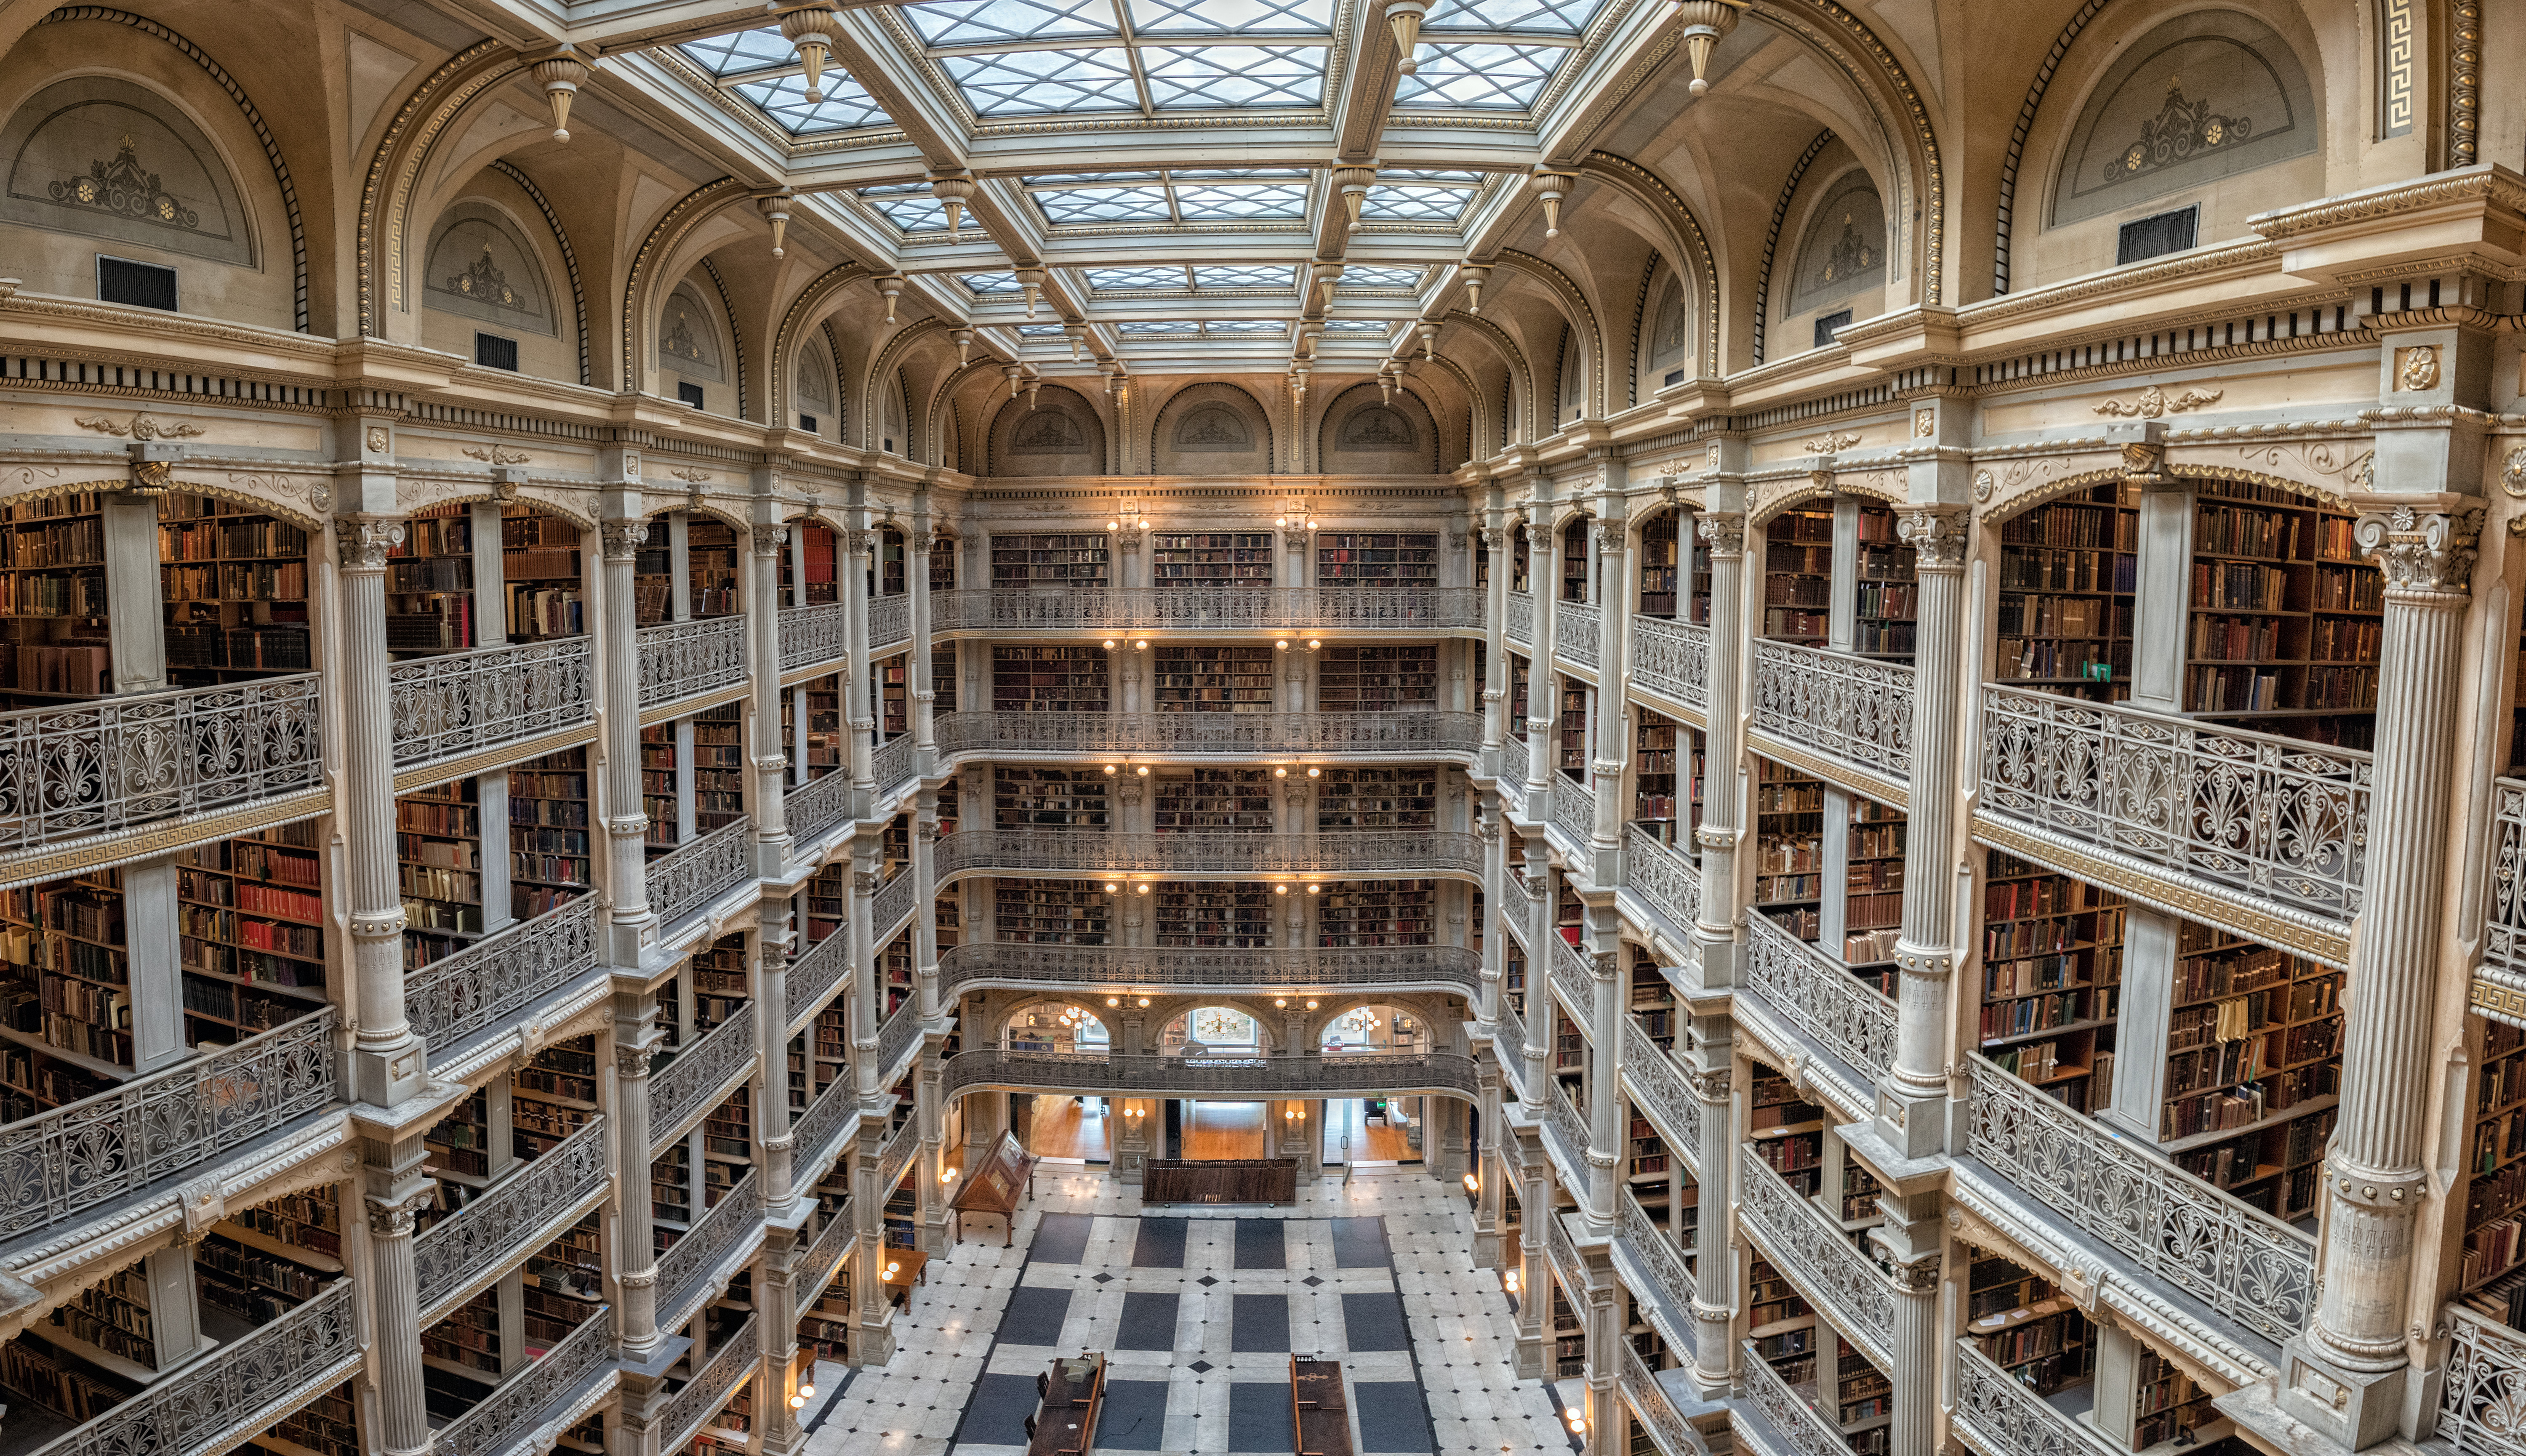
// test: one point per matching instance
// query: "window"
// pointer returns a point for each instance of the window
(2157, 235)
(807, 422)
(1826, 325)
(491, 351)
(140, 284)
(689, 392)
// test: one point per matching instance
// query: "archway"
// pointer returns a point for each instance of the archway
(1375, 1132)
(1073, 1129)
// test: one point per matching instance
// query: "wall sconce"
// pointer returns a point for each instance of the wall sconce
(1284, 644)
(946, 1174)
(1311, 1004)
(1315, 889)
(1113, 888)
(1280, 889)
(1134, 1113)
(1293, 1114)
(1508, 1280)
(1282, 1002)
(1144, 1000)
(1473, 1184)
(807, 1389)
(1578, 1422)
(1142, 887)
(1113, 1000)
(798, 1401)
(1295, 512)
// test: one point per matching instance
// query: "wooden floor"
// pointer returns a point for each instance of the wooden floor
(1223, 1129)
(1062, 1129)
(1372, 1142)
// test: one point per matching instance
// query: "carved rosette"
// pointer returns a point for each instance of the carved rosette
(365, 541)
(622, 539)
(771, 540)
(1724, 534)
(2427, 557)
(1937, 538)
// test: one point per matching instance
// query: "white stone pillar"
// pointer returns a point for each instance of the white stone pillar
(1495, 841)
(395, 1296)
(925, 918)
(1619, 563)
(1542, 747)
(763, 735)
(1604, 1074)
(868, 998)
(1926, 953)
(767, 958)
(1495, 540)
(135, 623)
(1715, 929)
(634, 1036)
(387, 1061)
(916, 668)
(859, 549)
(627, 824)
(1709, 1064)
(1539, 978)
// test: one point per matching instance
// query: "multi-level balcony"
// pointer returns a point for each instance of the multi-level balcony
(1400, 608)
(1208, 853)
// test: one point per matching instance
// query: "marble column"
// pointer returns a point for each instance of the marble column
(1709, 1065)
(770, 940)
(777, 1273)
(1616, 596)
(1539, 978)
(930, 1110)
(387, 1060)
(627, 824)
(765, 749)
(867, 977)
(397, 1186)
(1486, 1001)
(2346, 1374)
(635, 1036)
(1489, 1173)
(1604, 1074)
(1534, 1275)
(916, 668)
(1714, 930)
(1540, 703)
(1913, 1242)
(1926, 952)
(859, 553)
(925, 918)
(1496, 543)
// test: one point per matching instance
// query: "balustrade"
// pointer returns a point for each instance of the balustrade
(1803, 1430)
(693, 876)
(1576, 626)
(1672, 658)
(1818, 997)
(896, 1155)
(1998, 1415)
(1565, 1122)
(1655, 1253)
(1306, 1074)
(2501, 980)
(463, 702)
(493, 981)
(2483, 1394)
(686, 1272)
(1510, 1045)
(817, 807)
(816, 1137)
(809, 981)
(1649, 1404)
(1574, 809)
(1234, 733)
(689, 1086)
(1657, 1086)
(681, 660)
(894, 1038)
(891, 765)
(1513, 763)
(1185, 608)
(1574, 982)
(890, 622)
(1110, 965)
(1209, 852)
(703, 1396)
(823, 1258)
(535, 1396)
(890, 909)
(1658, 873)
(1817, 1256)
(515, 1218)
(1566, 1263)
(1857, 709)
(1520, 619)
(809, 635)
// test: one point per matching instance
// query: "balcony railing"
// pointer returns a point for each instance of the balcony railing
(691, 876)
(813, 635)
(2504, 930)
(1562, 1119)
(1672, 658)
(1997, 1414)
(1112, 965)
(809, 981)
(1208, 607)
(535, 1396)
(1234, 733)
(511, 1220)
(1520, 619)
(890, 622)
(1819, 998)
(1655, 1253)
(895, 1036)
(2483, 1394)
(817, 807)
(708, 1393)
(686, 1270)
(1793, 1417)
(890, 908)
(681, 660)
(1659, 874)
(101, 1148)
(1650, 1075)
(1566, 1263)
(691, 1083)
(1574, 809)
(825, 1256)
(1576, 628)
(891, 765)
(2274, 818)
(1339, 1074)
(219, 1401)
(818, 1134)
(1513, 762)
(1648, 1399)
(1817, 1256)
(463, 702)
(1209, 852)
(119, 763)
(1510, 1046)
(1855, 708)
(1574, 982)
(2243, 1263)
(493, 980)
(897, 1153)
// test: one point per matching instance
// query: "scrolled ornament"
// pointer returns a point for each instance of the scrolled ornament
(2428, 553)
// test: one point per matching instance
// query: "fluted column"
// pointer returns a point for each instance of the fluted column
(762, 736)
(1604, 1082)
(1495, 542)
(1616, 596)
(931, 1110)
(1495, 841)
(1490, 1172)
(859, 549)
(387, 1061)
(1912, 1244)
(1709, 1064)
(2346, 1374)
(627, 824)
(1715, 929)
(915, 674)
(636, 1255)
(1926, 952)
(394, 1297)
(772, 939)
(925, 918)
(1541, 746)
(873, 1341)
(868, 998)
(1538, 976)
(1534, 1275)
(776, 1278)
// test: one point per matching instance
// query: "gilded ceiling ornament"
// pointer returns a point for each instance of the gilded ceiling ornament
(2154, 403)
(495, 455)
(143, 426)
(2179, 132)
(2418, 370)
(1925, 424)
(126, 188)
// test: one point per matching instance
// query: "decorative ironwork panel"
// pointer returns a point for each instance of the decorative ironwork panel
(1576, 984)
(468, 701)
(1819, 998)
(825, 1256)
(2277, 817)
(1566, 1263)
(1576, 628)
(1563, 1120)
(676, 1094)
(810, 980)
(830, 1119)
(686, 659)
(2504, 930)
(897, 1154)
(2482, 1400)
(1805, 1428)
(509, 1415)
(894, 1038)
(1209, 851)
(892, 907)
(891, 765)
(495, 981)
(1513, 759)
(1510, 1044)
(890, 621)
(215, 1403)
(118, 763)
(1857, 709)
(117, 1143)
(1650, 1075)
(1649, 1402)
(817, 807)
(697, 1255)
(495, 1229)
(2243, 1263)
(813, 635)
(690, 877)
(1654, 1251)
(2006, 1418)
(1339, 1074)
(1659, 874)
(710, 1389)
(1574, 809)
(982, 610)
(1109, 964)
(1817, 1256)
(1234, 733)
(1672, 658)
(1521, 618)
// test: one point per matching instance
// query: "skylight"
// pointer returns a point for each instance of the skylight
(1276, 275)
(1038, 331)
(1204, 195)
(1419, 198)
(988, 284)
(1058, 56)
(1357, 326)
(1116, 279)
(1478, 77)
(1160, 326)
(1534, 17)
(1357, 276)
(909, 206)
(1145, 327)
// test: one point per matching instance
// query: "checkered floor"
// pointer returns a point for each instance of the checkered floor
(1198, 1313)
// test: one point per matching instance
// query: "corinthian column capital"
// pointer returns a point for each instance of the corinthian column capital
(771, 540)
(365, 541)
(1937, 538)
(1724, 534)
(2423, 554)
(624, 538)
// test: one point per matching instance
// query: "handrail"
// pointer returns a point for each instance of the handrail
(500, 1225)
(213, 1404)
(1397, 852)
(494, 979)
(1673, 658)
(824, 1255)
(895, 1036)
(118, 763)
(1857, 709)
(1656, 1083)
(503, 1419)
(1574, 981)
(680, 660)
(1656, 1253)
(679, 1092)
(811, 809)
(1562, 1119)
(1817, 1255)
(819, 1131)
(2503, 929)
(1509, 1045)
(692, 1259)
(816, 634)
(890, 767)
(896, 1155)
(1574, 810)
(1998, 1415)
(1513, 762)
(1577, 627)
(1336, 1074)
(890, 621)
(891, 906)
(463, 702)
(1421, 731)
(693, 875)
(1791, 1415)
(1666, 1426)
(1519, 626)
(1658, 873)
(712, 1386)
(809, 981)
(1819, 998)
(1114, 965)
(1189, 608)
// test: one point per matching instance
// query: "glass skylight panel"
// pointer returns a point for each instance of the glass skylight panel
(1038, 331)
(1160, 326)
(1020, 82)
(785, 100)
(1479, 77)
(1143, 202)
(1356, 325)
(1246, 325)
(746, 50)
(909, 206)
(1187, 78)
(988, 284)
(1104, 280)
(1232, 16)
(1276, 277)
(1357, 276)
(1001, 22)
(1550, 17)
(1241, 201)
(1415, 202)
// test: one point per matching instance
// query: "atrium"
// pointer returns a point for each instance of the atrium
(879, 727)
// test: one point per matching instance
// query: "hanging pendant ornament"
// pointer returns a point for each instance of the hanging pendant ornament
(1704, 22)
(1077, 333)
(1474, 277)
(890, 287)
(776, 211)
(562, 75)
(1299, 382)
(1113, 370)
(1404, 15)
(952, 193)
(1033, 385)
(1015, 373)
(1031, 279)
(1354, 183)
(963, 338)
(1429, 340)
(813, 32)
(1552, 187)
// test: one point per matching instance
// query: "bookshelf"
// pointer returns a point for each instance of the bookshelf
(1568, 1057)
(1031, 798)
(111, 1319)
(1362, 912)
(2068, 572)
(1786, 1130)
(891, 564)
(659, 795)
(1789, 848)
(2253, 1047)
(1575, 562)
(1211, 559)
(1399, 798)
(1653, 998)
(1797, 576)
(2027, 1326)
(1644, 1165)
(429, 584)
(710, 566)
(1050, 912)
(1055, 678)
(2287, 617)
(1377, 677)
(1782, 1325)
(816, 550)
(1569, 1337)
(826, 1321)
(653, 575)
(895, 960)
(1520, 676)
(1666, 772)
(943, 677)
(259, 1276)
(727, 1142)
(1050, 561)
(328, 1426)
(552, 1096)
(539, 562)
(2497, 1190)
(438, 853)
(892, 707)
(2166, 1403)
(52, 594)
(250, 921)
(551, 855)
(942, 562)
(1213, 678)
(1865, 1397)
(1886, 594)
(1214, 917)
(1349, 558)
(719, 767)
(461, 1356)
(233, 584)
(564, 1287)
(1573, 729)
(821, 699)
(65, 1005)
(1664, 571)
(1860, 1190)
(670, 1194)
(458, 1153)
(2051, 962)
(829, 902)
(1237, 799)
(1873, 893)
(48, 1376)
(719, 983)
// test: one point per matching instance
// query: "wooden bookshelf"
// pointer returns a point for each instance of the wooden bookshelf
(1397, 798)
(710, 566)
(1786, 1130)
(1211, 559)
(466, 1344)
(659, 795)
(52, 596)
(260, 1268)
(2166, 1404)
(1644, 1163)
(728, 1143)
(828, 905)
(438, 854)
(1652, 997)
(1864, 1400)
(233, 584)
(1574, 562)
(825, 1319)
(564, 1287)
(943, 678)
(653, 577)
(1032, 798)
(1570, 1057)
(1377, 677)
(1214, 916)
(1052, 912)
(1211, 799)
(891, 580)
(2286, 617)
(1886, 592)
(2254, 1069)
(1365, 913)
(1666, 778)
(112, 1317)
(2026, 1326)
(250, 913)
(552, 1096)
(1521, 671)
(429, 584)
(1871, 903)
(1569, 1336)
(719, 983)
(1797, 576)
(458, 1152)
(816, 545)
(1789, 848)
(551, 858)
(942, 562)
(1050, 561)
(2495, 1233)
(1860, 1190)
(66, 1002)
(2068, 572)
(1573, 729)
(539, 562)
(53, 1378)
(2051, 963)
(719, 767)
(326, 1425)
(1213, 678)
(1781, 1324)
(1377, 558)
(1664, 571)
(821, 699)
(670, 1194)
(894, 966)
(1055, 678)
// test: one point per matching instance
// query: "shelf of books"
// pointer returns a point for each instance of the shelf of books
(943, 678)
(2068, 572)
(552, 1096)
(233, 582)
(550, 856)
(891, 564)
(1569, 1055)
(1573, 729)
(461, 1356)
(2169, 1409)
(728, 1143)
(262, 1263)
(823, 582)
(710, 566)
(1650, 1346)
(1368, 913)
(66, 1000)
(1886, 592)
(1377, 677)
(1797, 576)
(659, 795)
(1664, 571)
(902, 1216)
(1031, 798)
(719, 767)
(1666, 778)
(1789, 848)
(1872, 905)
(1520, 676)
(894, 708)
(2254, 1069)
(942, 562)
(1865, 1400)
(894, 962)
(2495, 1206)
(439, 857)
(109, 1323)
(1055, 678)
(1645, 1165)
(2028, 1327)
(539, 562)
(564, 1287)
(1653, 998)
(1569, 1336)
(829, 903)
(1399, 798)
(328, 1426)
(429, 584)
(2052, 964)
(670, 1194)
(825, 1319)
(1213, 799)
(653, 577)
(718, 982)
(1212, 677)
(250, 918)
(821, 699)
(1211, 559)
(1407, 557)
(1050, 561)
(829, 1046)
(1575, 561)
(1215, 917)
(1860, 1190)
(2286, 617)
(457, 1152)
(1052, 912)
(1786, 1130)
(52, 597)
(1782, 1325)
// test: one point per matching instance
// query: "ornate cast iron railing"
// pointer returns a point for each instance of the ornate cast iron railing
(117, 1143)
(1819, 998)
(1235, 733)
(1521, 618)
(680, 660)
(1656, 1083)
(825, 1256)
(213, 1404)
(1191, 607)
(895, 1036)
(493, 981)
(2504, 930)
(2245, 1264)
(809, 981)
(509, 1415)
(890, 621)
(1576, 984)
(1655, 1252)
(2272, 817)
(1648, 1401)
(890, 767)
(1659, 874)
(684, 1270)
(1510, 1045)
(1566, 1263)
(691, 876)
(1574, 809)
(896, 1156)
(813, 635)
(2483, 1390)
(890, 909)
(814, 808)
(711, 1388)
(119, 763)
(1672, 658)
(1817, 1255)
(820, 1130)
(1799, 1423)
(1857, 709)
(1576, 628)
(678, 1093)
(1998, 1415)
(468, 701)
(1564, 1121)
(1340, 1074)
(1108, 964)
(508, 1223)
(1513, 761)
(1215, 852)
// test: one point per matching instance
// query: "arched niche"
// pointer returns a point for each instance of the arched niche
(1211, 430)
(1062, 435)
(487, 271)
(1051, 1025)
(1363, 434)
(1570, 377)
(693, 358)
(895, 437)
(1838, 274)
(815, 391)
(1666, 347)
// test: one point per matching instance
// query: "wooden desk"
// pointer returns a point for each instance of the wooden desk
(911, 1266)
(1074, 1395)
(994, 1187)
(1320, 1416)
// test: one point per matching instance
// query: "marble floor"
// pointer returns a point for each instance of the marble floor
(1198, 1316)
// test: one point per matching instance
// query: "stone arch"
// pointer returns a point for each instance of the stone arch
(1842, 258)
(306, 504)
(1520, 384)
(886, 374)
(690, 345)
(813, 305)
(1437, 1011)
(1478, 411)
(941, 416)
(1361, 433)
(569, 255)
(1580, 317)
(1772, 235)
(1004, 1017)
(1686, 247)
(1225, 431)
(1781, 495)
(1268, 1037)
(394, 170)
(639, 317)
(2049, 482)
(1063, 435)
(482, 266)
(814, 384)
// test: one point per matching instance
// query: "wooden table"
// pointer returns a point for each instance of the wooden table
(1320, 1416)
(1220, 1181)
(912, 1266)
(1074, 1394)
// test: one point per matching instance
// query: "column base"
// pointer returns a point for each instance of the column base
(873, 1344)
(933, 1235)
(2330, 1408)
(1529, 1357)
(1487, 1248)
